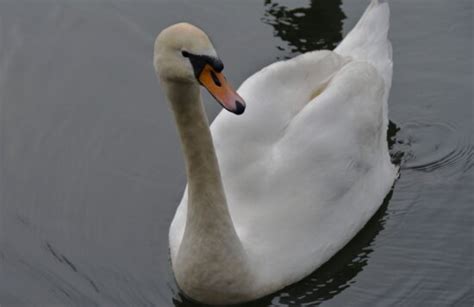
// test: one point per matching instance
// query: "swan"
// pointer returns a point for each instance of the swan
(273, 193)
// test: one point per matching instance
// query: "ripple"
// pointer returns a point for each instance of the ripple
(429, 147)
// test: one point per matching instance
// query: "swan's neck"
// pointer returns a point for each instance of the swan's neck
(207, 206)
(211, 258)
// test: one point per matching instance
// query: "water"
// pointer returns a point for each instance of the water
(91, 170)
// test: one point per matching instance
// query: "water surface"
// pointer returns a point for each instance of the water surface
(91, 170)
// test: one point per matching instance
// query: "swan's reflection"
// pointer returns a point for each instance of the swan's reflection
(317, 26)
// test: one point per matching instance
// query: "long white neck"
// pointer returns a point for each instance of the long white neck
(211, 259)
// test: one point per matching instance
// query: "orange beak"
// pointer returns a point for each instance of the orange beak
(220, 89)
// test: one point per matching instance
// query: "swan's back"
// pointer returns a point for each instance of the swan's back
(307, 164)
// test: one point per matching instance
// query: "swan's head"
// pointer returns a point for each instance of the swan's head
(184, 54)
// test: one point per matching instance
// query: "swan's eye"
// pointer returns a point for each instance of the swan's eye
(185, 54)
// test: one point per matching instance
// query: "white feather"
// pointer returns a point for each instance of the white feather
(307, 164)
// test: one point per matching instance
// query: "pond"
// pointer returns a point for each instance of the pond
(91, 169)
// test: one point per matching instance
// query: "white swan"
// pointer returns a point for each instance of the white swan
(290, 181)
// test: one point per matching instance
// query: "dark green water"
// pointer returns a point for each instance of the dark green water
(91, 170)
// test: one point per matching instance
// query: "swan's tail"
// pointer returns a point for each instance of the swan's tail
(368, 41)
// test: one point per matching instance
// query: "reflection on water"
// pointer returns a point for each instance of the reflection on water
(317, 26)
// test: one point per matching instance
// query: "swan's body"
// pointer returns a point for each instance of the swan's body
(303, 169)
